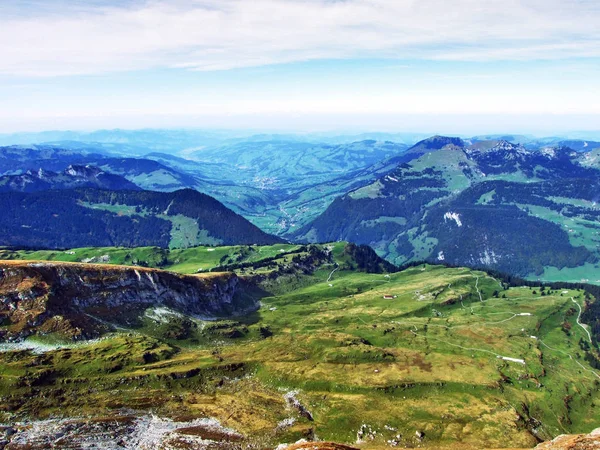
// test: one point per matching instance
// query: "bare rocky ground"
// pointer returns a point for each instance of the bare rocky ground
(130, 432)
(573, 442)
(564, 442)
(119, 432)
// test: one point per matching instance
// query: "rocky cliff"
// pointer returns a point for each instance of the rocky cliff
(82, 301)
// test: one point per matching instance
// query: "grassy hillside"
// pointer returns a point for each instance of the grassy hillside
(90, 217)
(189, 260)
(239, 258)
(430, 356)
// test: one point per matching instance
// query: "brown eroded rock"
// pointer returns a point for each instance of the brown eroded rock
(573, 442)
(319, 446)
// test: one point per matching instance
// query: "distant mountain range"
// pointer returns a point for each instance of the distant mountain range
(298, 179)
(278, 185)
(183, 141)
(17, 159)
(515, 203)
(74, 176)
(484, 203)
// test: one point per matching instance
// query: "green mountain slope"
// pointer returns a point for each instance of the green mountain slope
(88, 217)
(487, 203)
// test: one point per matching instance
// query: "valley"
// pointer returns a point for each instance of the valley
(278, 184)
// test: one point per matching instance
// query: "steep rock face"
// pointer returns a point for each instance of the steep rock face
(81, 301)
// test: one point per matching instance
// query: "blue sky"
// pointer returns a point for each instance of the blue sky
(464, 66)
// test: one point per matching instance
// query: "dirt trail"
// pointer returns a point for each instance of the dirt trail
(505, 358)
(331, 274)
(579, 322)
(570, 357)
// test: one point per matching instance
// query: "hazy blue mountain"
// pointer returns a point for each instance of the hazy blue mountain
(300, 179)
(18, 159)
(145, 173)
(533, 142)
(130, 142)
(282, 163)
(148, 174)
(151, 174)
(580, 145)
(72, 177)
(277, 184)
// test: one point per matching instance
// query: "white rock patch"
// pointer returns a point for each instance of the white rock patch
(516, 360)
(161, 314)
(488, 257)
(453, 216)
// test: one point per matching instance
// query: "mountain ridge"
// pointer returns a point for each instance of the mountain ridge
(91, 217)
(417, 210)
(74, 176)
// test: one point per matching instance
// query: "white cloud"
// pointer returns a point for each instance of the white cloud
(57, 38)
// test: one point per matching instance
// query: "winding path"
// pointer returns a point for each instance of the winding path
(505, 358)
(477, 287)
(331, 274)
(570, 357)
(578, 321)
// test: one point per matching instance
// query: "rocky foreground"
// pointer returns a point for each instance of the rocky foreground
(155, 433)
(119, 432)
(563, 442)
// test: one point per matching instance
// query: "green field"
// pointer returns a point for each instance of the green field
(427, 359)
(588, 273)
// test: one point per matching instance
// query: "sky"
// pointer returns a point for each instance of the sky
(462, 66)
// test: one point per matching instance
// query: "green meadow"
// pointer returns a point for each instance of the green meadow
(445, 352)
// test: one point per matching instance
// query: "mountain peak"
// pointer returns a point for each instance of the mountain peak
(81, 171)
(503, 145)
(500, 148)
(438, 142)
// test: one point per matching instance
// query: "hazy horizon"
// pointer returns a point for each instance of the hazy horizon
(80, 134)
